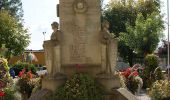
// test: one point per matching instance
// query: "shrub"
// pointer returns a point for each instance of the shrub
(79, 87)
(151, 62)
(20, 65)
(151, 72)
(158, 74)
(160, 89)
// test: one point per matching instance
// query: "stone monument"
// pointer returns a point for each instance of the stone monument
(84, 40)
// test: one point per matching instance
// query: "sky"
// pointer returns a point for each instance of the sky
(38, 16)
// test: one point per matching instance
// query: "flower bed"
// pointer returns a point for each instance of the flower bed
(6, 83)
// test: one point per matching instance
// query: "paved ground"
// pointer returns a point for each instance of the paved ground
(143, 96)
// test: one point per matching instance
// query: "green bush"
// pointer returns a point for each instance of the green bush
(158, 74)
(79, 87)
(151, 62)
(151, 72)
(21, 65)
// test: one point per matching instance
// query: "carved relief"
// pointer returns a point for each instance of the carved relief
(78, 49)
(80, 6)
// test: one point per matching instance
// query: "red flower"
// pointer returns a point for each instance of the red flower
(29, 74)
(135, 73)
(127, 72)
(2, 93)
(21, 73)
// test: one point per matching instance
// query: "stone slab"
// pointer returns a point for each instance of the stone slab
(80, 42)
(123, 94)
(41, 95)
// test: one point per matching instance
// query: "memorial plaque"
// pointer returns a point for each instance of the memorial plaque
(80, 24)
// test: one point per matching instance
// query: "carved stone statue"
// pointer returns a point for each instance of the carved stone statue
(106, 39)
(56, 35)
(52, 50)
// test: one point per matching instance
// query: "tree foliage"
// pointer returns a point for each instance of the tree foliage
(144, 37)
(14, 7)
(122, 16)
(12, 34)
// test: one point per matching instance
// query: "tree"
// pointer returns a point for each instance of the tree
(126, 11)
(144, 37)
(12, 34)
(14, 7)
(119, 13)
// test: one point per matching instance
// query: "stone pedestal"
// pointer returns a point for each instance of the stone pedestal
(122, 94)
(52, 83)
(87, 69)
(109, 82)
